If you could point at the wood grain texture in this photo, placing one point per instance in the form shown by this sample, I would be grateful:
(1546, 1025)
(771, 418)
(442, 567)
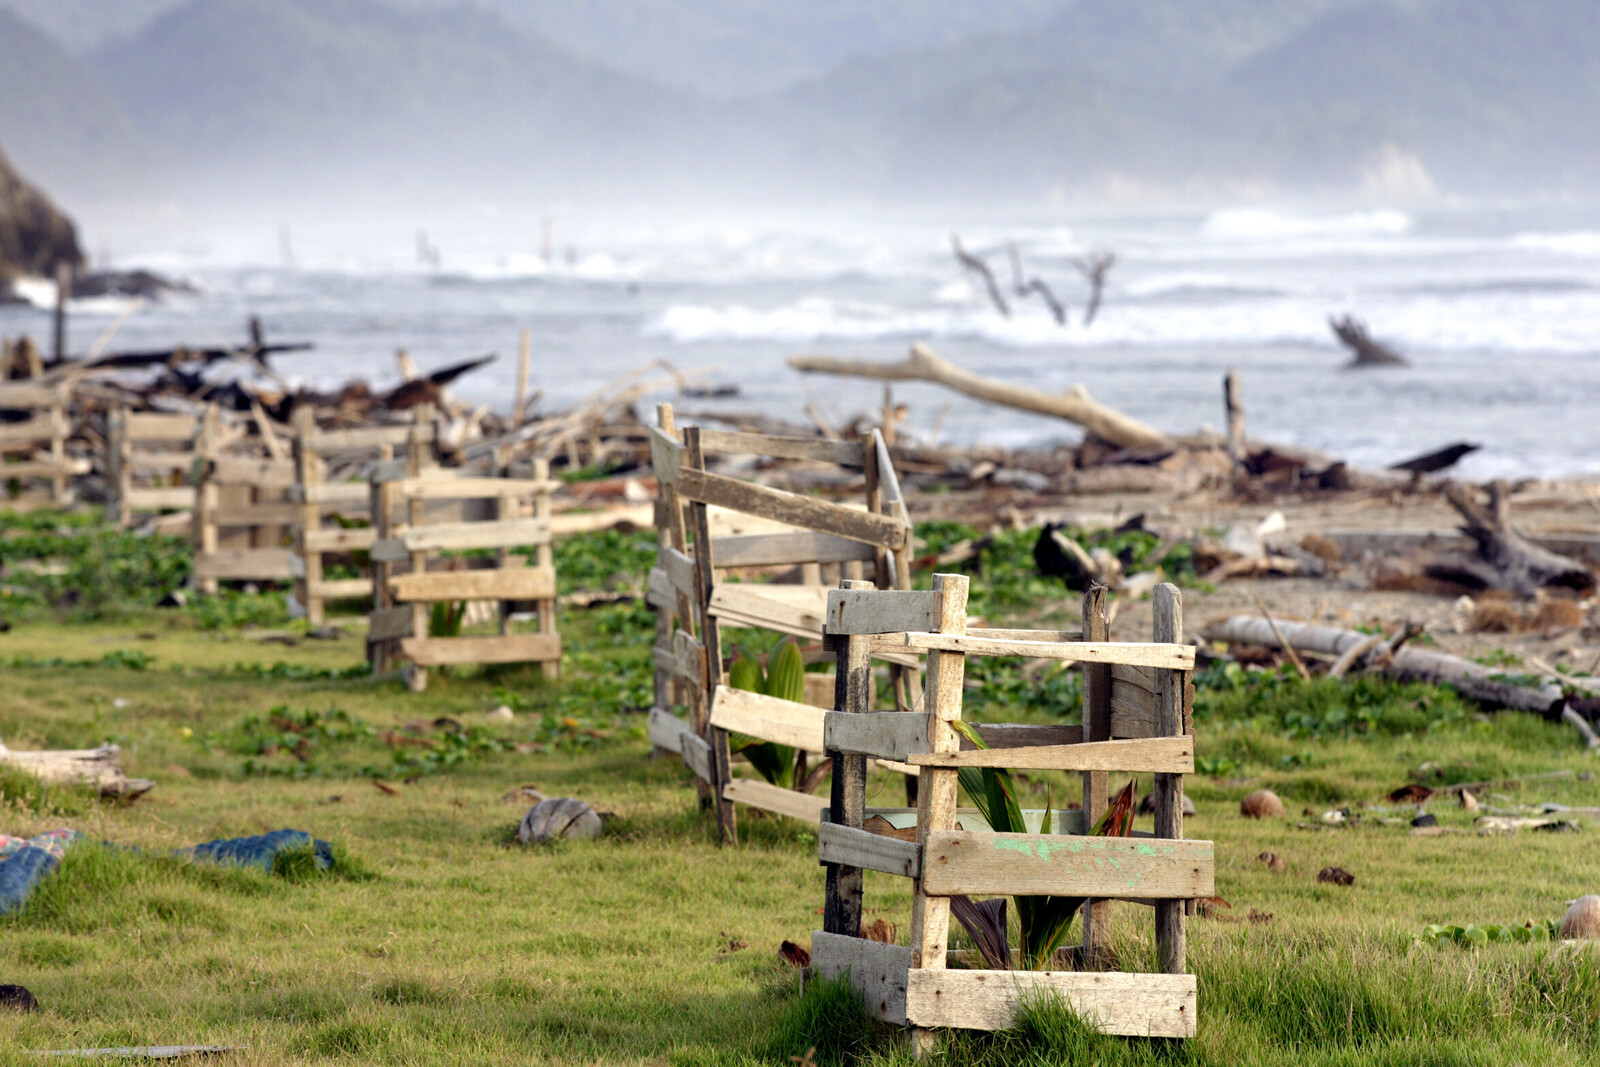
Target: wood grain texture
(1136, 653)
(1166, 605)
(679, 569)
(339, 539)
(388, 624)
(853, 692)
(241, 564)
(1024, 735)
(463, 535)
(1130, 1005)
(513, 648)
(768, 550)
(666, 729)
(884, 735)
(474, 488)
(877, 971)
(696, 754)
(860, 848)
(768, 718)
(1170, 755)
(340, 588)
(666, 456)
(787, 609)
(768, 797)
(791, 508)
(844, 453)
(880, 611)
(517, 583)
(959, 861)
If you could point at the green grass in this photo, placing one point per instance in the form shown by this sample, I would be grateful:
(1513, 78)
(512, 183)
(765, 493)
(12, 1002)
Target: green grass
(437, 940)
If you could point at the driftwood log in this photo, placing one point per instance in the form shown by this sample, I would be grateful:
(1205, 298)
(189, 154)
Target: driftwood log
(1471, 679)
(1505, 559)
(980, 267)
(1352, 333)
(96, 766)
(1075, 405)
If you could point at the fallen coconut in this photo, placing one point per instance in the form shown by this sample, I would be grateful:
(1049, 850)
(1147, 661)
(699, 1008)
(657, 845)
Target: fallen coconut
(559, 817)
(1147, 806)
(1262, 804)
(1582, 918)
(1336, 876)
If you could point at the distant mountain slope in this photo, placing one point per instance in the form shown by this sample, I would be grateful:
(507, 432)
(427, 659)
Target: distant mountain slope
(1217, 94)
(367, 88)
(57, 121)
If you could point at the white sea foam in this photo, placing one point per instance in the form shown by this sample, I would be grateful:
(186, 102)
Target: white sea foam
(1260, 224)
(1570, 242)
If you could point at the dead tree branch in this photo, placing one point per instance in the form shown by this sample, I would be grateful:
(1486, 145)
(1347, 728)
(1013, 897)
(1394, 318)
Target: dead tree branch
(978, 266)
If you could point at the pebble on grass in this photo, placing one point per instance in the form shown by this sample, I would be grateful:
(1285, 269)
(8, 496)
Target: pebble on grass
(1336, 876)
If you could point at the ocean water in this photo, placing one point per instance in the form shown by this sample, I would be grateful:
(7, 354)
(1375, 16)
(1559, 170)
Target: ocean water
(1497, 308)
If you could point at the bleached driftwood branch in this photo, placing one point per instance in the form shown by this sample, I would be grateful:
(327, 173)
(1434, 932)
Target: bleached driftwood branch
(97, 766)
(1075, 405)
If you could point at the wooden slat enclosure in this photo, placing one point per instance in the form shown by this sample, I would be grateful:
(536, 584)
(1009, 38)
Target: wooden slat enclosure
(1127, 684)
(708, 524)
(35, 450)
(243, 519)
(403, 536)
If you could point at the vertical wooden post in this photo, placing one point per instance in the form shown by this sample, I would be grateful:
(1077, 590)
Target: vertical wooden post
(118, 462)
(938, 790)
(382, 511)
(63, 294)
(524, 364)
(206, 494)
(505, 509)
(545, 556)
(711, 639)
(416, 512)
(1167, 610)
(1235, 410)
(847, 803)
(1096, 727)
(60, 430)
(306, 473)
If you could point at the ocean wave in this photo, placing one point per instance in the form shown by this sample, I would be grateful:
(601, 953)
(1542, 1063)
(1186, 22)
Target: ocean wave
(1569, 242)
(1260, 224)
(1198, 283)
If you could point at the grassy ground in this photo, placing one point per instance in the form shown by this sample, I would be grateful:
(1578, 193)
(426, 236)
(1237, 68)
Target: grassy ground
(439, 940)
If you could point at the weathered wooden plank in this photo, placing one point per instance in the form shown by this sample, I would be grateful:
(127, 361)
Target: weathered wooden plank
(361, 438)
(389, 550)
(696, 754)
(690, 656)
(244, 563)
(792, 508)
(666, 456)
(1129, 1005)
(878, 971)
(501, 648)
(666, 730)
(659, 592)
(768, 550)
(390, 470)
(44, 468)
(993, 634)
(1166, 612)
(679, 568)
(176, 497)
(262, 473)
(339, 539)
(1155, 755)
(958, 861)
(15, 396)
(874, 852)
(768, 797)
(162, 463)
(884, 735)
(1133, 701)
(845, 453)
(879, 611)
(769, 718)
(347, 493)
(156, 426)
(766, 606)
(464, 535)
(854, 689)
(269, 514)
(340, 588)
(1024, 735)
(513, 583)
(1136, 653)
(388, 624)
(473, 488)
(37, 428)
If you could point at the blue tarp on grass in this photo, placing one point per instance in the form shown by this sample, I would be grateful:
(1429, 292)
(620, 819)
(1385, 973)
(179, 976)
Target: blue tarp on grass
(25, 861)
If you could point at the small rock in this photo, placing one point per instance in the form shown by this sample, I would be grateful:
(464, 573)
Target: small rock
(16, 998)
(1581, 920)
(1469, 803)
(501, 714)
(175, 599)
(118, 703)
(1273, 861)
(1425, 819)
(559, 817)
(250, 589)
(1336, 876)
(1262, 804)
(325, 633)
